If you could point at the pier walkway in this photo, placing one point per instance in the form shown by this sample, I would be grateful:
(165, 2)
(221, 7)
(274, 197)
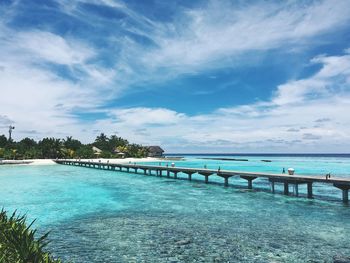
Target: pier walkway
(341, 183)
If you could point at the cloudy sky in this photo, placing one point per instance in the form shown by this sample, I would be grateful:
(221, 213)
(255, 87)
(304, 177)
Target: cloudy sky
(192, 76)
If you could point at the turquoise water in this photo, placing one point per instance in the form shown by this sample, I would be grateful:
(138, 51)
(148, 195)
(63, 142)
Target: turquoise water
(302, 165)
(305, 165)
(105, 216)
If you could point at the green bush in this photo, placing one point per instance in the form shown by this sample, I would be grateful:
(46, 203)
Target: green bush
(53, 148)
(18, 243)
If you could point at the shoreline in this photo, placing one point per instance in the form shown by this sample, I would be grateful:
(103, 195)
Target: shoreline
(31, 162)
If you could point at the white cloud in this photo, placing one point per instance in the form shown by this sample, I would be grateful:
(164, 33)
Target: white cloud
(332, 78)
(51, 48)
(142, 116)
(33, 96)
(264, 126)
(218, 35)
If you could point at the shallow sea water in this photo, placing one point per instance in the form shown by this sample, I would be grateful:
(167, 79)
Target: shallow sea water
(105, 216)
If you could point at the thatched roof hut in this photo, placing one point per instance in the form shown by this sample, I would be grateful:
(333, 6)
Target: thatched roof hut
(119, 153)
(96, 150)
(155, 151)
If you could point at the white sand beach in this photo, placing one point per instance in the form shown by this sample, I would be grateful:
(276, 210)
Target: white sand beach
(28, 162)
(125, 160)
(41, 162)
(51, 162)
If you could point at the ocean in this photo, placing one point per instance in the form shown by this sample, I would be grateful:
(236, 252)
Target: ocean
(107, 216)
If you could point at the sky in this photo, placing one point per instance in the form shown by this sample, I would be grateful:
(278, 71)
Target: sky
(192, 76)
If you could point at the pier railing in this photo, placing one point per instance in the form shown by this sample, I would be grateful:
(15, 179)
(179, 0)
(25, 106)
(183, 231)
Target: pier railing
(171, 171)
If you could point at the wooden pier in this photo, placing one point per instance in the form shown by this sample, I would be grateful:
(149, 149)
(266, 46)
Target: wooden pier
(341, 183)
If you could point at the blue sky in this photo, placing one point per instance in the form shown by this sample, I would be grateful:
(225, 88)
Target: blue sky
(192, 76)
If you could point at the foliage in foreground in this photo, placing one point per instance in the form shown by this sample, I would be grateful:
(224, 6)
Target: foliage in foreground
(18, 243)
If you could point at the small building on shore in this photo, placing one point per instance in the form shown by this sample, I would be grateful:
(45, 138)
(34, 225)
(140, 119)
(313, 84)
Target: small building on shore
(119, 153)
(155, 151)
(96, 150)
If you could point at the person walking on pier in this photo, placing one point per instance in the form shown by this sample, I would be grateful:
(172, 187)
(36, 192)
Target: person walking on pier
(284, 171)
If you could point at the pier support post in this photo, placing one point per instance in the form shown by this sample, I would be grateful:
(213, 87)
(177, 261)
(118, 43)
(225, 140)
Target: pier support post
(175, 175)
(345, 189)
(226, 181)
(250, 181)
(273, 187)
(250, 184)
(206, 175)
(149, 172)
(296, 189)
(345, 195)
(286, 188)
(189, 175)
(309, 190)
(167, 173)
(144, 171)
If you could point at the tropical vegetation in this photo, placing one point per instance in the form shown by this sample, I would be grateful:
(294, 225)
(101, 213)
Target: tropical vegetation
(20, 244)
(52, 148)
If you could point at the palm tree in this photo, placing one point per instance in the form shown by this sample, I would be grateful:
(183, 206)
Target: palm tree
(70, 143)
(102, 142)
(51, 148)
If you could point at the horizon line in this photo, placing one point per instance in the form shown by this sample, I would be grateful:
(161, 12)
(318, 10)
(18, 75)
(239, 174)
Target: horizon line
(257, 153)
